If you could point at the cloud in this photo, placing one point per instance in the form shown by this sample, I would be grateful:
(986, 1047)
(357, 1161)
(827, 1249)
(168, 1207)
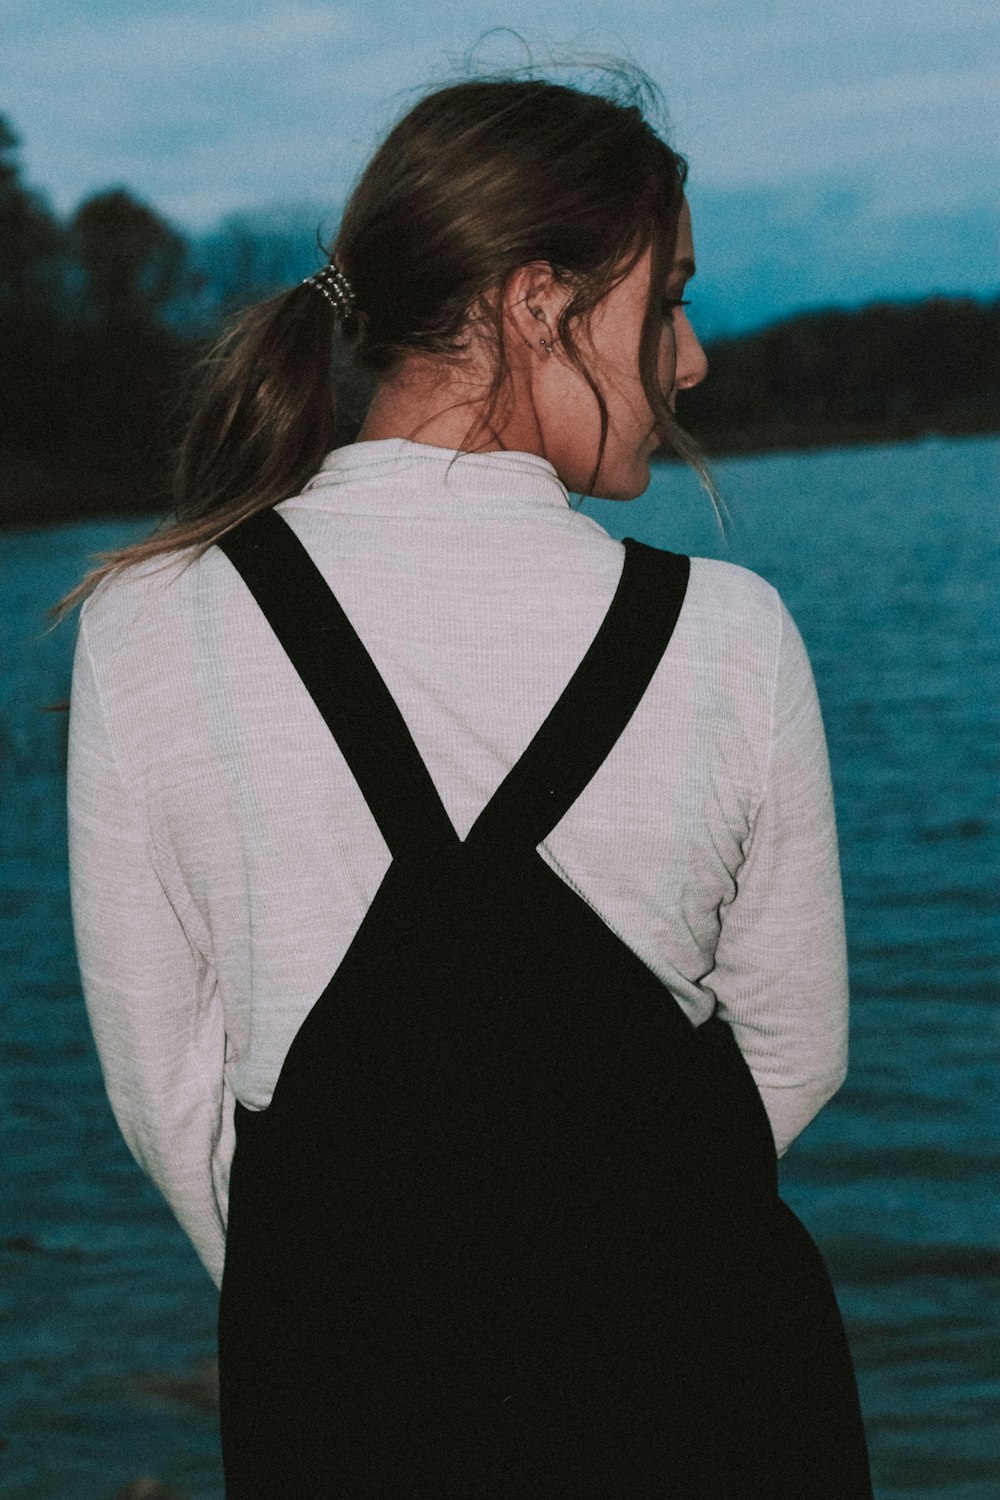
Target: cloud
(764, 252)
(206, 108)
(194, 111)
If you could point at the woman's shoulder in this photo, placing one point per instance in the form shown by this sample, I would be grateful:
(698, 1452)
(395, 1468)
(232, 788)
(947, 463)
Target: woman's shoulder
(149, 601)
(726, 598)
(741, 624)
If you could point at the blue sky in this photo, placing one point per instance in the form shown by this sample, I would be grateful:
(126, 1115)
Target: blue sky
(839, 149)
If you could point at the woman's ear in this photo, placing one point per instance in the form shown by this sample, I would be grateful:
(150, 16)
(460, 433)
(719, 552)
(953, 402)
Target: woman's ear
(532, 304)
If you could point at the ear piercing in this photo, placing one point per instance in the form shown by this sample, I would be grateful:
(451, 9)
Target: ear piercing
(544, 342)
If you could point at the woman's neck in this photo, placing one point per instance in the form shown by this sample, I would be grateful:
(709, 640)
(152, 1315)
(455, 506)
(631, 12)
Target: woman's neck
(443, 406)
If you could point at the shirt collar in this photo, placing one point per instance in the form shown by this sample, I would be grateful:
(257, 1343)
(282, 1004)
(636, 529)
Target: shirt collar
(403, 472)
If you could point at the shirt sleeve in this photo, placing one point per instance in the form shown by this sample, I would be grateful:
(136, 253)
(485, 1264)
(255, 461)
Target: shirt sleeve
(781, 961)
(150, 995)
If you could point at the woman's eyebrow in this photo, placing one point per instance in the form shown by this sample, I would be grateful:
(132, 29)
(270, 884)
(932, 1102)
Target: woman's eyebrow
(686, 265)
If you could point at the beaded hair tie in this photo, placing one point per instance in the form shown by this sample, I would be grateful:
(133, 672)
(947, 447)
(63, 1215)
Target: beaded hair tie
(335, 287)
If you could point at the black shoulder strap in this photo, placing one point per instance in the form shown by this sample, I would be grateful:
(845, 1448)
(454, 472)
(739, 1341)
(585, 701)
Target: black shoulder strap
(342, 680)
(597, 702)
(363, 718)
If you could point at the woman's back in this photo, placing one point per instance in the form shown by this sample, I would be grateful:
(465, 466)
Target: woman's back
(236, 837)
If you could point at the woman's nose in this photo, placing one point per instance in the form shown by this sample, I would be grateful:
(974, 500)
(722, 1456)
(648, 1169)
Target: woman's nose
(692, 363)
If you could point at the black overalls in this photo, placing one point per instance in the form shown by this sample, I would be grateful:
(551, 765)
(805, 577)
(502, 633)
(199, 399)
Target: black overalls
(509, 1228)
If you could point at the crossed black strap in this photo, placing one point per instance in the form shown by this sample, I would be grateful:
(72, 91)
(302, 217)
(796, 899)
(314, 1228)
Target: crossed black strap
(361, 714)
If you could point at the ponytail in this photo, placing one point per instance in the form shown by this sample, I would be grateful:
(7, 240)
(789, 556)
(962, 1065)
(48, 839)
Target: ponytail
(264, 409)
(263, 421)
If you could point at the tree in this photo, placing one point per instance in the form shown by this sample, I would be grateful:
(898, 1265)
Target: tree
(130, 264)
(252, 254)
(32, 270)
(31, 240)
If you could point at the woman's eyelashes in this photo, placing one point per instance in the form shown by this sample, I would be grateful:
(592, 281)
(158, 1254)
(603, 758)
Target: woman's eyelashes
(671, 304)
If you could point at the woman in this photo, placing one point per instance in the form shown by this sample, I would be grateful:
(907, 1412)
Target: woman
(496, 1215)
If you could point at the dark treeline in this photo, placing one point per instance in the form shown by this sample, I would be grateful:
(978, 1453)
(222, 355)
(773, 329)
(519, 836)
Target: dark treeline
(90, 369)
(103, 316)
(887, 371)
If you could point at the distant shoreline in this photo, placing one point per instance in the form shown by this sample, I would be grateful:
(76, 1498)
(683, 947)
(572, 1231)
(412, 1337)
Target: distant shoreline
(31, 498)
(739, 442)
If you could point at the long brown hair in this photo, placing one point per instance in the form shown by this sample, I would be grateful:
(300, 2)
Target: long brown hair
(478, 179)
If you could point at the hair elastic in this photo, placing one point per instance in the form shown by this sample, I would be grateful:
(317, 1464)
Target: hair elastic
(334, 286)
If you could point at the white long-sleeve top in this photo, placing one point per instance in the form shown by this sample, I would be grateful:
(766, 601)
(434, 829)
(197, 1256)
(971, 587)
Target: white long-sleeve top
(222, 857)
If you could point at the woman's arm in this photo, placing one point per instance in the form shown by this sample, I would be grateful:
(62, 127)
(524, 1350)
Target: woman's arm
(150, 995)
(781, 963)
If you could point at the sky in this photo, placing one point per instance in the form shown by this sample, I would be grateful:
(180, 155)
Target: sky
(839, 149)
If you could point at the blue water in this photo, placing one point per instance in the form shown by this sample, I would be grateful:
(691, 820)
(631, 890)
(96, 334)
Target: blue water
(889, 560)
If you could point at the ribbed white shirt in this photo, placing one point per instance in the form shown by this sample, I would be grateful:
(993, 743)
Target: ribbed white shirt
(222, 857)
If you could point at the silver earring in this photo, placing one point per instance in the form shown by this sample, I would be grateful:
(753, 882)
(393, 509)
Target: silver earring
(545, 345)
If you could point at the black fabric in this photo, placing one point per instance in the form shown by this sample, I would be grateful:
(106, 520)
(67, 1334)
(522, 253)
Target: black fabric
(342, 680)
(509, 1228)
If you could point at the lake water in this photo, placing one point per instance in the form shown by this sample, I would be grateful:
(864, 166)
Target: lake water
(889, 559)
